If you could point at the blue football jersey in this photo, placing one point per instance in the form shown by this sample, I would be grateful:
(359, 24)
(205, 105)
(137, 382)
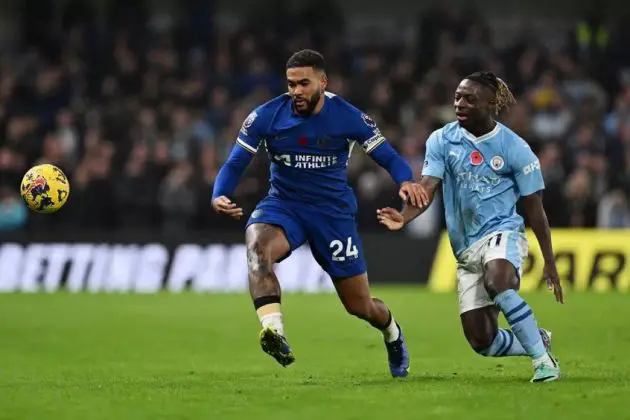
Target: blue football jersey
(482, 180)
(309, 154)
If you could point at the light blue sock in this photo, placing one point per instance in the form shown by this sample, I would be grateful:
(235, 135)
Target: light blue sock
(521, 318)
(504, 344)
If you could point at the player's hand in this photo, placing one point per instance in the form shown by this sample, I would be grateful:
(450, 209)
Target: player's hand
(224, 205)
(553, 280)
(391, 218)
(415, 194)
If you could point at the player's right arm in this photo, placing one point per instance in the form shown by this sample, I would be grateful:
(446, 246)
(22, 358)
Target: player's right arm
(230, 173)
(432, 176)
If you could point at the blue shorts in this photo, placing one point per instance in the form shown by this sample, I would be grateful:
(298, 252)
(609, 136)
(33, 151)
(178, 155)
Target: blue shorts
(334, 241)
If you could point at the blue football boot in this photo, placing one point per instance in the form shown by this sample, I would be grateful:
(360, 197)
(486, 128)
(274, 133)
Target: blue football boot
(276, 346)
(398, 356)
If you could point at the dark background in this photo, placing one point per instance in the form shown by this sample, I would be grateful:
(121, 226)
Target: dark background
(140, 102)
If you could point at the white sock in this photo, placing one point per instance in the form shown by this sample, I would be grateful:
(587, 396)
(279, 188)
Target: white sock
(391, 333)
(274, 321)
(543, 360)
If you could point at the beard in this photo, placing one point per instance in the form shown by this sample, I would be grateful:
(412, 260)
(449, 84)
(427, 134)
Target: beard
(310, 104)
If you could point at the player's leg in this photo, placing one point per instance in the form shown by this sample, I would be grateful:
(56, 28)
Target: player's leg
(501, 280)
(486, 338)
(271, 235)
(479, 318)
(337, 248)
(354, 293)
(266, 244)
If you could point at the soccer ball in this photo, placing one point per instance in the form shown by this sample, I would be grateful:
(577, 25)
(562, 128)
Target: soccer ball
(45, 188)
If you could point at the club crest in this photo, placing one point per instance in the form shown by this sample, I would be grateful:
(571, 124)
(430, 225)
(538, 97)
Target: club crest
(497, 163)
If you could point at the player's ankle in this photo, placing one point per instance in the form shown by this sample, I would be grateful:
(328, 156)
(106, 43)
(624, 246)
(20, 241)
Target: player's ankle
(391, 332)
(273, 321)
(269, 313)
(543, 359)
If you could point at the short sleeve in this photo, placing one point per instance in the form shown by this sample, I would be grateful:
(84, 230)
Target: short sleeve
(366, 133)
(526, 169)
(251, 133)
(434, 156)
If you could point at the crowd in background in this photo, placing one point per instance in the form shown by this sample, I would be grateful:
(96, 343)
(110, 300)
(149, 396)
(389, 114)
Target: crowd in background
(141, 119)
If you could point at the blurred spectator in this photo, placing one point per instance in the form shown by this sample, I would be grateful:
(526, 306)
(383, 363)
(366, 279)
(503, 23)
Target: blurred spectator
(93, 197)
(135, 190)
(590, 37)
(580, 198)
(619, 116)
(613, 211)
(551, 118)
(555, 176)
(177, 199)
(13, 211)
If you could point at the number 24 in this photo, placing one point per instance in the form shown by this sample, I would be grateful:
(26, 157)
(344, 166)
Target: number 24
(337, 247)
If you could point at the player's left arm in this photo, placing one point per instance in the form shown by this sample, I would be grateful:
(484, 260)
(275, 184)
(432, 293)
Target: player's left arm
(528, 176)
(381, 151)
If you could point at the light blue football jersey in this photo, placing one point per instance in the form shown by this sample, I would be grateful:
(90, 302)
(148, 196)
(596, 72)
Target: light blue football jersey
(482, 180)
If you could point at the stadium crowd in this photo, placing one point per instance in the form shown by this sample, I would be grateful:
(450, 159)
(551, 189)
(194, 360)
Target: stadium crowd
(141, 120)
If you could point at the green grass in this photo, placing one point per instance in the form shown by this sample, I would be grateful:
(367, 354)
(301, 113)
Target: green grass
(197, 357)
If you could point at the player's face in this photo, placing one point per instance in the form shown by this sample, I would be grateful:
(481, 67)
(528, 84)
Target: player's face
(306, 87)
(473, 103)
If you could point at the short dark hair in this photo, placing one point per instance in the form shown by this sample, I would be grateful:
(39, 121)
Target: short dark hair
(307, 58)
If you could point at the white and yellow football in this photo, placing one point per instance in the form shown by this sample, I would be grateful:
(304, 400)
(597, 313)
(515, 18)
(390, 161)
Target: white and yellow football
(45, 188)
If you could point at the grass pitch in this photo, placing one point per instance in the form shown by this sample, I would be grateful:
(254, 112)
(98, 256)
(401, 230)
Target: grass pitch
(197, 357)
